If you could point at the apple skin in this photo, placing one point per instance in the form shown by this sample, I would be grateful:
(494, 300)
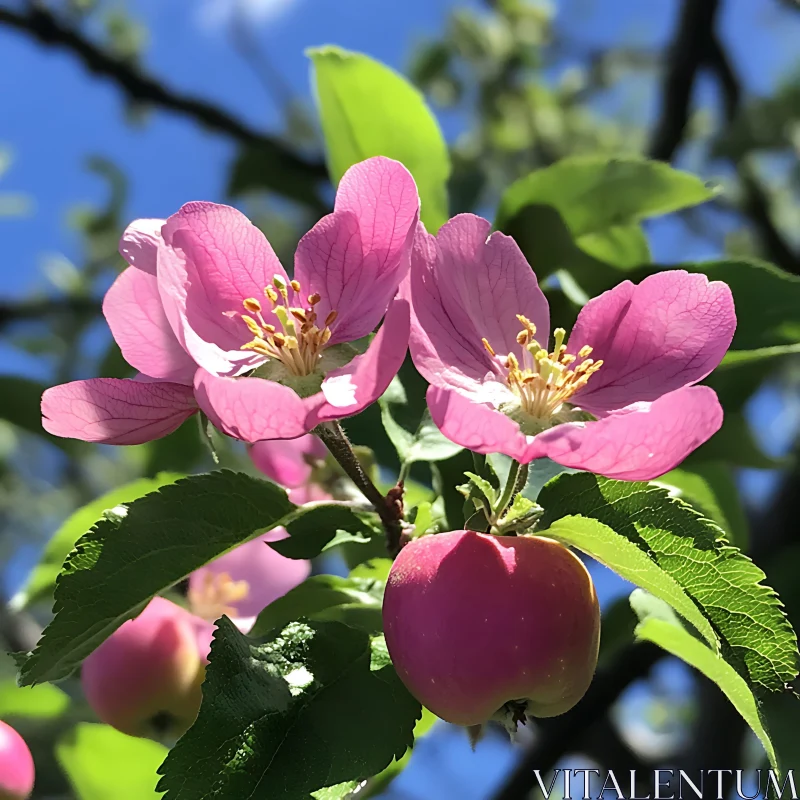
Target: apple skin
(145, 679)
(474, 621)
(16, 765)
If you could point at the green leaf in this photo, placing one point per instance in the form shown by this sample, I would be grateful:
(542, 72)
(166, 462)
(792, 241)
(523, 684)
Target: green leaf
(582, 214)
(101, 762)
(313, 687)
(711, 489)
(367, 109)
(42, 580)
(661, 627)
(756, 636)
(629, 561)
(38, 702)
(124, 561)
(322, 526)
(767, 301)
(425, 443)
(484, 487)
(325, 597)
(594, 194)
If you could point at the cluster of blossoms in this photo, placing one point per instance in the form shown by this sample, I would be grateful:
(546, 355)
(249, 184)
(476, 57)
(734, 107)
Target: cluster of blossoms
(209, 317)
(212, 321)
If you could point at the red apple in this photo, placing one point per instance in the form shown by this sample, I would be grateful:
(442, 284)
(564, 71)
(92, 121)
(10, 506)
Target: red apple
(16, 765)
(145, 678)
(482, 627)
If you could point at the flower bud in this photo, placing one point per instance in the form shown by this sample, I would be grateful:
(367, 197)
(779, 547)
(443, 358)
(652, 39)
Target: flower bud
(16, 765)
(483, 627)
(145, 679)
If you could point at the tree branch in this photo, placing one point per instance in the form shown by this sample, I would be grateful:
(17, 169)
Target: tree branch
(695, 45)
(43, 26)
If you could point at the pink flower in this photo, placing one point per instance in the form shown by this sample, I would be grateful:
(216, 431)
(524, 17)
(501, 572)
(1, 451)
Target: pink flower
(244, 581)
(289, 463)
(206, 302)
(234, 309)
(617, 399)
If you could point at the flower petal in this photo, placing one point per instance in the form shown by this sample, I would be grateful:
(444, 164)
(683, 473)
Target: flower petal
(479, 427)
(139, 244)
(360, 383)
(466, 287)
(288, 463)
(116, 411)
(211, 260)
(268, 574)
(133, 310)
(356, 257)
(251, 409)
(669, 331)
(640, 442)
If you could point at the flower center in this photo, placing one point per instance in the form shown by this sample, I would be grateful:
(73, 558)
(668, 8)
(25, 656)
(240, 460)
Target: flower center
(217, 595)
(544, 381)
(295, 339)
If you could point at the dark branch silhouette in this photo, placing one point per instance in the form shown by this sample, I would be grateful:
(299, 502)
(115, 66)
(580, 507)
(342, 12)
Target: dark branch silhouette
(290, 169)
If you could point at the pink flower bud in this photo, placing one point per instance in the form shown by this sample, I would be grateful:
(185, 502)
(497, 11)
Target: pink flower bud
(16, 765)
(482, 627)
(145, 678)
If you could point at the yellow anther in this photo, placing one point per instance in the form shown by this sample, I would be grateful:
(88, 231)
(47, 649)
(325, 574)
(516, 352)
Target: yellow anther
(313, 299)
(585, 351)
(527, 324)
(488, 347)
(330, 319)
(252, 305)
(279, 339)
(253, 326)
(522, 338)
(271, 294)
(558, 339)
(296, 285)
(298, 314)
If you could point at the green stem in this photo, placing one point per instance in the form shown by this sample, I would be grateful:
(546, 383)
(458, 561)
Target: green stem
(390, 509)
(510, 489)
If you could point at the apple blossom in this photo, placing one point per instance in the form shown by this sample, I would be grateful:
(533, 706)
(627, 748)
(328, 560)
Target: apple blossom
(16, 765)
(616, 399)
(482, 627)
(210, 318)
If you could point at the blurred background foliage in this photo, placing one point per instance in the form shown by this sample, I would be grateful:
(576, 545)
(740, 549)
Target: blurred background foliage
(712, 86)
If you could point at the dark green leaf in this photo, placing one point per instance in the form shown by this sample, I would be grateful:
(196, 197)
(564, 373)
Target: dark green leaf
(709, 486)
(315, 704)
(325, 597)
(124, 561)
(317, 528)
(368, 110)
(724, 583)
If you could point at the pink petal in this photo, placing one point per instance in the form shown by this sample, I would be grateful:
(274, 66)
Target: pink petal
(478, 426)
(356, 257)
(669, 331)
(251, 409)
(349, 390)
(310, 493)
(465, 286)
(269, 575)
(139, 244)
(114, 411)
(289, 462)
(212, 259)
(640, 442)
(133, 310)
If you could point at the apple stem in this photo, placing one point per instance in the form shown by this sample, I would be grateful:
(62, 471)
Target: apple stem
(389, 507)
(517, 478)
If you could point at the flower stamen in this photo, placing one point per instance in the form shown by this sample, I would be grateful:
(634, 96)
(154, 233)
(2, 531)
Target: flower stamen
(544, 381)
(296, 341)
(217, 595)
